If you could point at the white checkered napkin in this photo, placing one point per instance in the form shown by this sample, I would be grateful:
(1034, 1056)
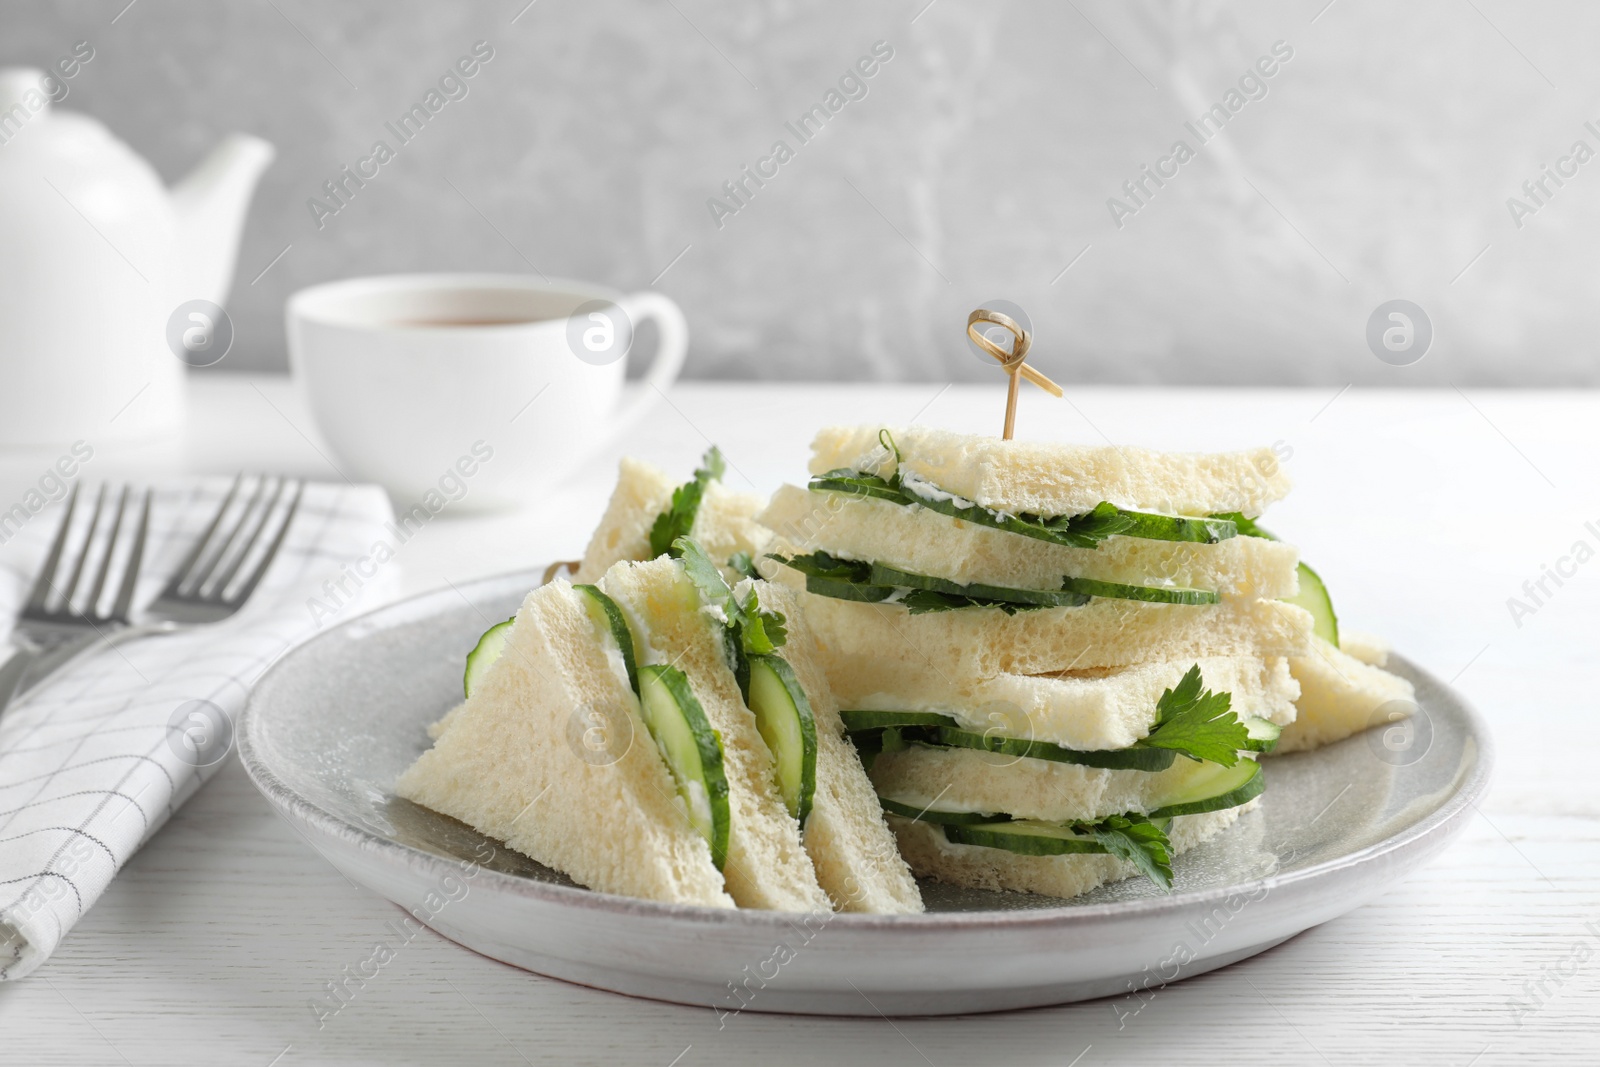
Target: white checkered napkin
(95, 759)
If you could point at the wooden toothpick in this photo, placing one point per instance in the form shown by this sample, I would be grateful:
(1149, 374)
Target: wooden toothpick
(1011, 362)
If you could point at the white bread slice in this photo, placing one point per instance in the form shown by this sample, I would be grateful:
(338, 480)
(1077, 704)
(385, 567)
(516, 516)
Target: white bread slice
(856, 859)
(1084, 710)
(922, 541)
(506, 766)
(858, 640)
(437, 729)
(965, 779)
(767, 867)
(1056, 479)
(725, 523)
(1339, 696)
(1369, 648)
(932, 855)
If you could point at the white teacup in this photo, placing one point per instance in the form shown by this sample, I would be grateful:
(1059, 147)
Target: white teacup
(472, 390)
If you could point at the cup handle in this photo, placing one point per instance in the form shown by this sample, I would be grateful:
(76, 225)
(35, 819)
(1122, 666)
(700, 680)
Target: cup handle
(670, 351)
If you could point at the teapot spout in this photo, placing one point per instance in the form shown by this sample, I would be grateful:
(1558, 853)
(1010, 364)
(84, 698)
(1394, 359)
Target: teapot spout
(210, 204)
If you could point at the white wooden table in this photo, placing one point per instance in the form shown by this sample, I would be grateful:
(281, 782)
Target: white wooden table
(1424, 511)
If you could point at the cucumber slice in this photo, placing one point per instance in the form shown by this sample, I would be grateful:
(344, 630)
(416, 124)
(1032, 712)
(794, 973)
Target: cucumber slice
(783, 716)
(484, 653)
(692, 750)
(1313, 596)
(1080, 531)
(1150, 594)
(1213, 788)
(1155, 527)
(1043, 598)
(921, 813)
(608, 616)
(856, 721)
(882, 575)
(1140, 841)
(1025, 837)
(842, 589)
(1263, 733)
(1127, 759)
(1073, 592)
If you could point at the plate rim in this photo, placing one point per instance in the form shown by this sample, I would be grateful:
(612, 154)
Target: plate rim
(1469, 789)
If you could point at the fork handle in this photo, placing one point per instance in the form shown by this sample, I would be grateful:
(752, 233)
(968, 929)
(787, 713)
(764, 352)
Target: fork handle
(31, 665)
(12, 671)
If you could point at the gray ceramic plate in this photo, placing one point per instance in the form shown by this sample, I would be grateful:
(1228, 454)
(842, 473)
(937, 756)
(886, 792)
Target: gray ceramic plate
(332, 725)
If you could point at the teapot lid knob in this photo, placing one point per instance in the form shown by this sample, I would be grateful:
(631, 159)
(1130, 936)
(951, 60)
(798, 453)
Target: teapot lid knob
(15, 85)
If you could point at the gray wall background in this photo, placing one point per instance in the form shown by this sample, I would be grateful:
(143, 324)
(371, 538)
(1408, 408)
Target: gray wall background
(978, 165)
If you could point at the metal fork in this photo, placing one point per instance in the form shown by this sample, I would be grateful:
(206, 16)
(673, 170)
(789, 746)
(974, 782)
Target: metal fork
(206, 588)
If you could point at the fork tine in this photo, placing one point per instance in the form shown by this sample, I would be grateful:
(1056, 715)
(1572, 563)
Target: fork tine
(130, 576)
(272, 546)
(203, 578)
(261, 523)
(180, 575)
(92, 605)
(83, 553)
(47, 572)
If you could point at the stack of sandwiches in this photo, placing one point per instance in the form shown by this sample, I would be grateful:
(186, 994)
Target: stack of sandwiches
(1060, 663)
(996, 664)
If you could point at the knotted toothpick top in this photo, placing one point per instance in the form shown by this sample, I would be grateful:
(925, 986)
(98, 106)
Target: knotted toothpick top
(1011, 362)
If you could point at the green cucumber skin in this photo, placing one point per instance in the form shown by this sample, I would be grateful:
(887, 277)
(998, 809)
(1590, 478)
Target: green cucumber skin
(483, 654)
(1203, 531)
(1313, 596)
(708, 750)
(882, 575)
(620, 630)
(1042, 598)
(944, 818)
(1264, 733)
(996, 835)
(839, 589)
(1124, 759)
(782, 675)
(1207, 530)
(883, 580)
(1252, 786)
(1149, 594)
(858, 720)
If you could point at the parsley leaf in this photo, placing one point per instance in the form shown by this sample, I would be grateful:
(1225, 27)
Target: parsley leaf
(1138, 840)
(678, 520)
(741, 563)
(758, 632)
(1198, 723)
(853, 483)
(1090, 528)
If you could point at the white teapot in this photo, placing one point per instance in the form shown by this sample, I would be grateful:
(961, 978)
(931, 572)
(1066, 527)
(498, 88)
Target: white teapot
(96, 257)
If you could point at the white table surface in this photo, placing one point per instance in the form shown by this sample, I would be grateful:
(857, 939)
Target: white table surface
(1424, 512)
